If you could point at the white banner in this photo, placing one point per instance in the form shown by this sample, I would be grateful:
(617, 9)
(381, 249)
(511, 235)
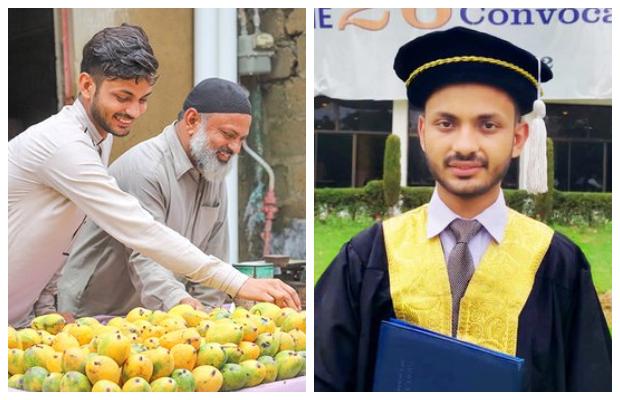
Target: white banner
(355, 48)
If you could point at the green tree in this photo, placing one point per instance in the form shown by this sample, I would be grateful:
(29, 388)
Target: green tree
(391, 172)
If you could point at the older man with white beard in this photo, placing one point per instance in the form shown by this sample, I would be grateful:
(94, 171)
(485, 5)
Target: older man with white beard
(178, 176)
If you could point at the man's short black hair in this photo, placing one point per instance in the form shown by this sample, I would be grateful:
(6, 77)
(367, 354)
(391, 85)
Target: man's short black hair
(121, 52)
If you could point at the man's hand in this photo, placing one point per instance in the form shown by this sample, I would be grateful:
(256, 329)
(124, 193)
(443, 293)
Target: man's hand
(270, 290)
(195, 303)
(68, 316)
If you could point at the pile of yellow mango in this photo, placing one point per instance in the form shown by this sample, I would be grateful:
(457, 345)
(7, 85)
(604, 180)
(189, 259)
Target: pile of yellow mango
(182, 350)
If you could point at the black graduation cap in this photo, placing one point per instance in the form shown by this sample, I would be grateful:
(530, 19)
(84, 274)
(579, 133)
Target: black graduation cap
(461, 55)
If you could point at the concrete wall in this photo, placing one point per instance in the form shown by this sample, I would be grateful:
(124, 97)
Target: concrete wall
(170, 32)
(283, 138)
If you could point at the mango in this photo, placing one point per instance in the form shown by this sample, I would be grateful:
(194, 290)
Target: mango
(264, 324)
(64, 341)
(184, 356)
(267, 310)
(240, 313)
(14, 341)
(268, 343)
(233, 353)
(28, 337)
(235, 377)
(256, 372)
(17, 381)
(157, 316)
(189, 336)
(137, 365)
(106, 386)
(102, 367)
(37, 356)
(138, 313)
(46, 337)
(295, 320)
(289, 364)
(249, 351)
(52, 323)
(225, 331)
(218, 313)
(204, 326)
(164, 384)
(300, 339)
(116, 346)
(283, 314)
(54, 362)
(117, 322)
(16, 362)
(163, 362)
(211, 354)
(142, 325)
(74, 381)
(271, 368)
(286, 342)
(303, 369)
(82, 333)
(208, 378)
(173, 323)
(151, 343)
(185, 380)
(192, 317)
(74, 360)
(52, 382)
(250, 329)
(89, 321)
(33, 379)
(137, 348)
(136, 384)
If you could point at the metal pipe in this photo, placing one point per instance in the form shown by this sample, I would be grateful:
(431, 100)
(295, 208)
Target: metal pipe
(66, 57)
(270, 202)
(215, 55)
(263, 163)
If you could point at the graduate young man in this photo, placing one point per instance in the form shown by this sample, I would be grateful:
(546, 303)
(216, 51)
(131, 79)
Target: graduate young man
(465, 264)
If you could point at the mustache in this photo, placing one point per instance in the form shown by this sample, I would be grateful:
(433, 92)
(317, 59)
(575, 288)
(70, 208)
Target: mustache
(124, 116)
(225, 149)
(472, 157)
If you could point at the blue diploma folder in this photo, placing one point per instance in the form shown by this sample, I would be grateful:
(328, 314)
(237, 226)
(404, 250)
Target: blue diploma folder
(414, 359)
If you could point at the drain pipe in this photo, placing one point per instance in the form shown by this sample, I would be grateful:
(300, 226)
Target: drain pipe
(66, 57)
(215, 55)
(269, 202)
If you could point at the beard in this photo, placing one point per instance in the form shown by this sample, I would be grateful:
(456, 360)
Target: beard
(206, 159)
(99, 119)
(473, 190)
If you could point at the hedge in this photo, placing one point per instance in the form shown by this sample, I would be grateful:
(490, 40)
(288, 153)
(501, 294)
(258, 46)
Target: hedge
(568, 207)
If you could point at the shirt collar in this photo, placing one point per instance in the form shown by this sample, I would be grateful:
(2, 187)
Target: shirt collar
(181, 161)
(493, 219)
(87, 125)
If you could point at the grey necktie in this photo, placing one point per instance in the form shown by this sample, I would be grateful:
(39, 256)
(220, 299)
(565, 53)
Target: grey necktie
(460, 264)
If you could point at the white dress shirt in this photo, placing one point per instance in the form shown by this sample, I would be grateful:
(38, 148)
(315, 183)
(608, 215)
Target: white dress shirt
(493, 221)
(56, 176)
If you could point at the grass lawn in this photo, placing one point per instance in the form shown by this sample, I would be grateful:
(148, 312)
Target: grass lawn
(596, 245)
(329, 236)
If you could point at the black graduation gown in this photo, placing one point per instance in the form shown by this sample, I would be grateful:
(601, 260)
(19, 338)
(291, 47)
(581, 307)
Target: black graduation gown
(563, 336)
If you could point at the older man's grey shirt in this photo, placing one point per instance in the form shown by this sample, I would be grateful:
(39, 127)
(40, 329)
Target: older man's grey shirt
(102, 276)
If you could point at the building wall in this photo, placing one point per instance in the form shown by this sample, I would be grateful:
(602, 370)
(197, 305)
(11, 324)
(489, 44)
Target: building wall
(283, 137)
(283, 109)
(170, 32)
